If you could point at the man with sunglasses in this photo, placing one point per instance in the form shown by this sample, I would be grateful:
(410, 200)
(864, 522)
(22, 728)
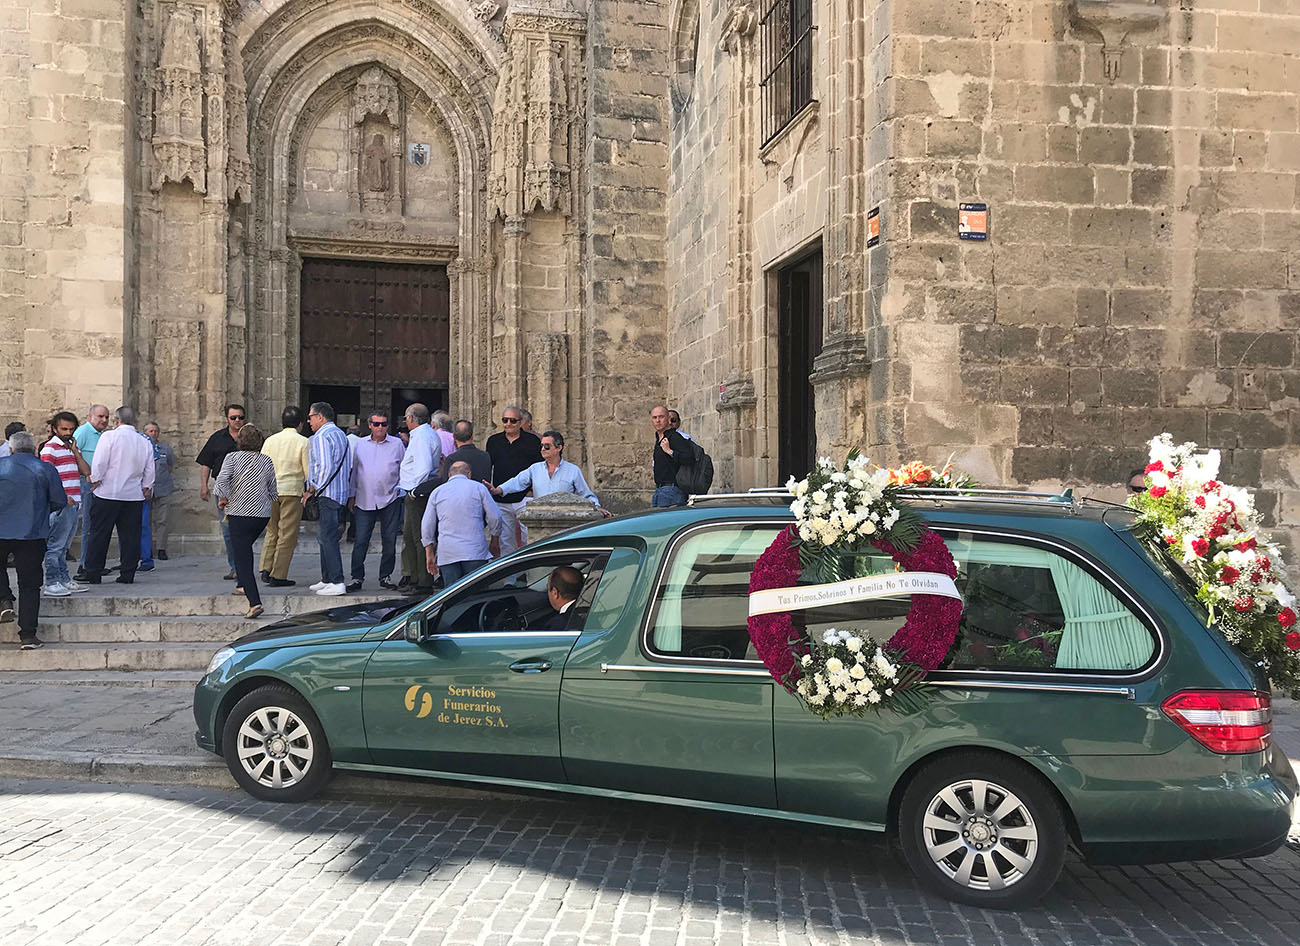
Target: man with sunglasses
(1137, 481)
(512, 450)
(376, 498)
(214, 452)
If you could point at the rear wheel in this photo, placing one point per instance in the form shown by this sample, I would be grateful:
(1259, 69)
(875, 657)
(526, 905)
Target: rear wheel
(275, 746)
(983, 830)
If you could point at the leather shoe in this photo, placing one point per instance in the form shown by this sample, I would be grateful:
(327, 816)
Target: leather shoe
(162, 555)
(265, 576)
(354, 585)
(125, 580)
(229, 576)
(280, 582)
(387, 583)
(146, 568)
(404, 583)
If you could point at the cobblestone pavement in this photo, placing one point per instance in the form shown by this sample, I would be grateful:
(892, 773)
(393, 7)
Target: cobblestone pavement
(84, 865)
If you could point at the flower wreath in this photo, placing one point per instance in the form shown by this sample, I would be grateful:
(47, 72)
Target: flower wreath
(1214, 533)
(841, 516)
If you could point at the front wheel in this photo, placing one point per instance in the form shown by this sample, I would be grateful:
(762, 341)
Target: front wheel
(982, 830)
(275, 747)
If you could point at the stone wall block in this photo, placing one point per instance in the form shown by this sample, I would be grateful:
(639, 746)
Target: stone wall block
(1027, 306)
(1072, 185)
(1197, 388)
(1256, 349)
(1105, 145)
(1231, 269)
(1140, 306)
(1084, 388)
(1257, 429)
(1130, 387)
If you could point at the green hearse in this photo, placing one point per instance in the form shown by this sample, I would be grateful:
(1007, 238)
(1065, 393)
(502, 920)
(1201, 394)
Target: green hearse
(1085, 701)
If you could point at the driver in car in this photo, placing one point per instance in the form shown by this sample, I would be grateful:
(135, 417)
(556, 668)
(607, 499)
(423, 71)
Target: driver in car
(562, 590)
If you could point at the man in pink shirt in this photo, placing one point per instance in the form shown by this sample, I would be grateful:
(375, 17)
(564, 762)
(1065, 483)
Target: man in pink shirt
(441, 422)
(376, 498)
(62, 453)
(121, 477)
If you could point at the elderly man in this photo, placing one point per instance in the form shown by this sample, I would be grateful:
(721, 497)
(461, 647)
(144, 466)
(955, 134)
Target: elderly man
(441, 422)
(421, 462)
(513, 450)
(214, 452)
(562, 590)
(30, 492)
(453, 526)
(153, 531)
(87, 438)
(290, 454)
(329, 480)
(553, 474)
(61, 452)
(526, 421)
(121, 477)
(376, 467)
(670, 452)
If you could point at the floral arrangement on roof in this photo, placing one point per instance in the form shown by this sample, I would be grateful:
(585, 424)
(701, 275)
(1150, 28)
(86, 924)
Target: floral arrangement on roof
(1214, 531)
(917, 473)
(845, 516)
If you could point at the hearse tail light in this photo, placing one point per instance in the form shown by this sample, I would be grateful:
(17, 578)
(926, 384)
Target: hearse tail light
(1227, 721)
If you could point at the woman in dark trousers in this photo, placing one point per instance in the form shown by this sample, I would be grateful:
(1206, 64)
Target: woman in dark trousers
(245, 490)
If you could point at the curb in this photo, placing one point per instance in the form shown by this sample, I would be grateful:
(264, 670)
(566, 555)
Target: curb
(200, 773)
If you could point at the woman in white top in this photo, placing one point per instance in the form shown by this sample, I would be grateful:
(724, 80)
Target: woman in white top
(245, 490)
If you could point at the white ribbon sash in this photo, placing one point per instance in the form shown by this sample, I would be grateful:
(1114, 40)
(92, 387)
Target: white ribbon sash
(804, 597)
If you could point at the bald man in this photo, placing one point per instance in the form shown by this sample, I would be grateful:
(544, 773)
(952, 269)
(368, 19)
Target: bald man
(452, 529)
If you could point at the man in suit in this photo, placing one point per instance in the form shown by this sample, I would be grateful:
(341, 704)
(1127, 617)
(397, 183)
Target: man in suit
(562, 591)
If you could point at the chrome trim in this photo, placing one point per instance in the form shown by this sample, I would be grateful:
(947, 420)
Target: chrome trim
(651, 668)
(342, 689)
(936, 494)
(479, 635)
(1126, 692)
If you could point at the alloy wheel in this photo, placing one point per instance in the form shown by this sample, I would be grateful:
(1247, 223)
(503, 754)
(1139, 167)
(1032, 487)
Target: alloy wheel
(980, 835)
(275, 747)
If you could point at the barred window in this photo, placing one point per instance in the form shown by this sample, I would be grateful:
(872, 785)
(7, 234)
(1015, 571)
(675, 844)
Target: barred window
(785, 36)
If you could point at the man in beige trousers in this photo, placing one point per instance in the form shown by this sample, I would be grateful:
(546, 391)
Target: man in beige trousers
(288, 451)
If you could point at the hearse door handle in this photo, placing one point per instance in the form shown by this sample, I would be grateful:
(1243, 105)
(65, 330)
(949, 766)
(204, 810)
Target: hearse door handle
(537, 665)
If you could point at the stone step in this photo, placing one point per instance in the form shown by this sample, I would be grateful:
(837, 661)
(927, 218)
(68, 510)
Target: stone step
(88, 630)
(155, 655)
(118, 605)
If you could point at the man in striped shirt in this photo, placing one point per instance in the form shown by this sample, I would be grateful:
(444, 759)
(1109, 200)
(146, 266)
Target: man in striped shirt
(62, 452)
(329, 479)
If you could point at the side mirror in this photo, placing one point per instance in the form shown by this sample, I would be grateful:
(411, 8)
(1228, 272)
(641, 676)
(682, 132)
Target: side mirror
(416, 628)
(420, 626)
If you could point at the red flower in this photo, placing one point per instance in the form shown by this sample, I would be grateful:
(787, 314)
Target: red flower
(1293, 640)
(1212, 485)
(1244, 603)
(1157, 491)
(1246, 545)
(1217, 531)
(1200, 501)
(1155, 467)
(1229, 575)
(1171, 539)
(1200, 547)
(1286, 617)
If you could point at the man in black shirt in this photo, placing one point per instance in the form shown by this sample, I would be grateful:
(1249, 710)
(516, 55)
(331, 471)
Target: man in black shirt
(480, 464)
(670, 452)
(512, 451)
(210, 458)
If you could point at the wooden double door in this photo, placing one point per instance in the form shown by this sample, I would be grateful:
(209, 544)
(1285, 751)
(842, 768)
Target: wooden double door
(375, 336)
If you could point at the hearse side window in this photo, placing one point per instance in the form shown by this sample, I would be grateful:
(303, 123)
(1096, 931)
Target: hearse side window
(1027, 608)
(701, 606)
(514, 598)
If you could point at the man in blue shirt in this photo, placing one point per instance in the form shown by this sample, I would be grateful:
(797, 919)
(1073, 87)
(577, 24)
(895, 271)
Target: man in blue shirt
(453, 524)
(329, 478)
(553, 474)
(87, 438)
(30, 491)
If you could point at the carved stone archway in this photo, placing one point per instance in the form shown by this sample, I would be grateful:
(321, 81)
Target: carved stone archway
(313, 71)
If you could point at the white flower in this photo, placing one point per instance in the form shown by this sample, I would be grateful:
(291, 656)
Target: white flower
(854, 644)
(792, 485)
(801, 488)
(865, 686)
(802, 687)
(838, 477)
(834, 665)
(856, 672)
(817, 699)
(873, 697)
(841, 696)
(882, 664)
(805, 660)
(859, 700)
(830, 636)
(819, 497)
(889, 691)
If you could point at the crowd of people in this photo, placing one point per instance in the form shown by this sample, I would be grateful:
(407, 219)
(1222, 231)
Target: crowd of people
(456, 505)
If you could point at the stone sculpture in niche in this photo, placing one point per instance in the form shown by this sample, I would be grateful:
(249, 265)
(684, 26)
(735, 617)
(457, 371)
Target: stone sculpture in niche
(374, 166)
(178, 146)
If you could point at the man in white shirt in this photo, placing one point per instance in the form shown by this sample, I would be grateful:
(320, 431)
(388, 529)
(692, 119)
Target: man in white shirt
(121, 477)
(421, 462)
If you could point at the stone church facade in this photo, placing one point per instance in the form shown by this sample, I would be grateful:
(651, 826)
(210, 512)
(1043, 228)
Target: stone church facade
(749, 209)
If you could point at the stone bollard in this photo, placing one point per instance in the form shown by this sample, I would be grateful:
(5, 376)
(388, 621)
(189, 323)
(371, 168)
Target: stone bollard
(548, 515)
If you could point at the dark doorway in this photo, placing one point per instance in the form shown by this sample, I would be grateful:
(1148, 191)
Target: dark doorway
(375, 336)
(799, 341)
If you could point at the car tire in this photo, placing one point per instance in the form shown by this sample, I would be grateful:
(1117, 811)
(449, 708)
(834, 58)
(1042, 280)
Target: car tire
(275, 746)
(983, 830)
